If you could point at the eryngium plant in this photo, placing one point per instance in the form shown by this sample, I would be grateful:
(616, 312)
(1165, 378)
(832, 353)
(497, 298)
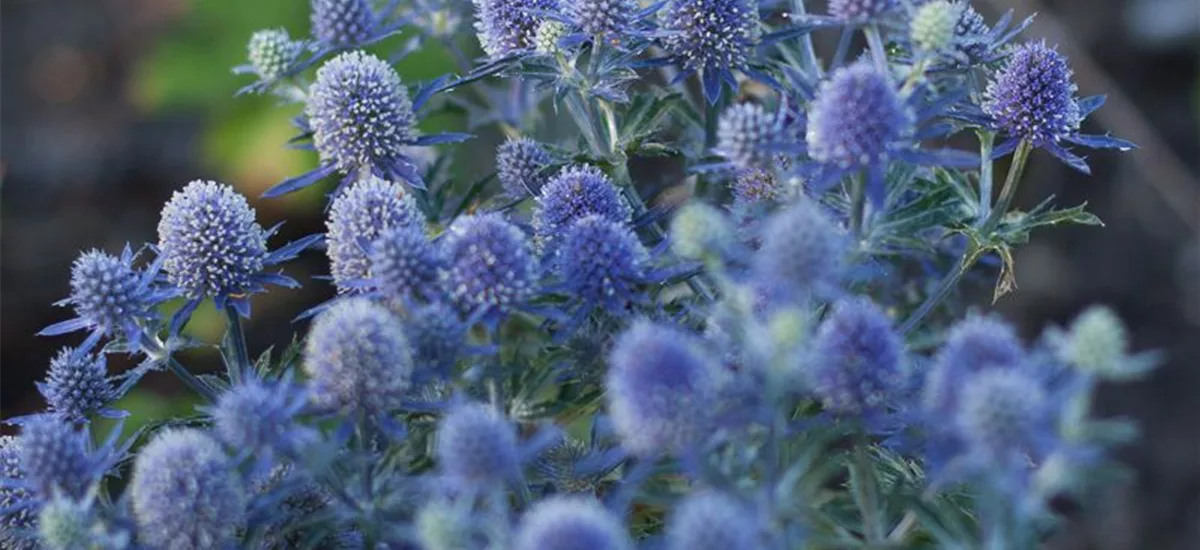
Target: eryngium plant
(576, 346)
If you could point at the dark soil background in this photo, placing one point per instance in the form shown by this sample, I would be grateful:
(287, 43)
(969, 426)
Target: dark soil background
(85, 163)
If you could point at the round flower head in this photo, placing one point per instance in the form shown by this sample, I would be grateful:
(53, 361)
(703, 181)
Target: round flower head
(109, 297)
(357, 217)
(436, 334)
(445, 526)
(1099, 344)
(186, 494)
(361, 117)
(259, 417)
(711, 36)
(1032, 96)
(933, 27)
(602, 262)
(856, 118)
(403, 262)
(209, 241)
(17, 517)
(602, 18)
(546, 40)
(974, 344)
(857, 11)
(507, 27)
(491, 267)
(272, 52)
(756, 186)
(519, 165)
(856, 365)
(971, 32)
(1003, 417)
(54, 457)
(801, 250)
(660, 387)
(475, 444)
(572, 194)
(745, 134)
(700, 230)
(357, 357)
(709, 520)
(570, 523)
(68, 524)
(342, 22)
(78, 385)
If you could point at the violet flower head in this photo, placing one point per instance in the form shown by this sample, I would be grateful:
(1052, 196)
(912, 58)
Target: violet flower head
(18, 516)
(436, 333)
(1005, 418)
(661, 388)
(110, 297)
(404, 263)
(709, 520)
(756, 186)
(357, 218)
(570, 523)
(490, 266)
(860, 11)
(746, 133)
(857, 360)
(519, 167)
(272, 53)
(186, 493)
(340, 24)
(602, 263)
(78, 386)
(973, 345)
(260, 417)
(608, 19)
(802, 251)
(508, 27)
(358, 358)
(54, 457)
(713, 38)
(476, 444)
(573, 193)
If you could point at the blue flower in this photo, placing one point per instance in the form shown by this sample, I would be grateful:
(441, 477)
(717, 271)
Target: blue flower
(211, 246)
(756, 186)
(975, 344)
(490, 266)
(601, 263)
(357, 357)
(476, 444)
(748, 135)
(78, 386)
(259, 417)
(272, 56)
(110, 297)
(349, 23)
(69, 524)
(1005, 417)
(437, 334)
(1032, 98)
(661, 388)
(714, 38)
(801, 253)
(572, 194)
(404, 263)
(709, 520)
(186, 493)
(605, 19)
(357, 217)
(857, 360)
(18, 516)
(508, 27)
(55, 458)
(570, 523)
(520, 164)
(860, 11)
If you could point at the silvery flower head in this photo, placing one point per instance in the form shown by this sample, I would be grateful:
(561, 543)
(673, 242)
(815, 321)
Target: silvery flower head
(1097, 343)
(272, 53)
(710, 520)
(570, 523)
(857, 360)
(69, 524)
(970, 33)
(260, 417)
(110, 297)
(519, 166)
(508, 27)
(602, 263)
(746, 133)
(975, 344)
(712, 37)
(78, 386)
(18, 516)
(442, 525)
(358, 358)
(547, 40)
(404, 263)
(802, 250)
(490, 265)
(1005, 419)
(660, 389)
(700, 230)
(573, 193)
(860, 11)
(358, 216)
(934, 25)
(477, 445)
(186, 493)
(55, 458)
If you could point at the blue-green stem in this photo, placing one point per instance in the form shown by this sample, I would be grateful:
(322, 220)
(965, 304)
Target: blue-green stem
(875, 44)
(986, 164)
(866, 492)
(808, 55)
(858, 204)
(237, 341)
(157, 351)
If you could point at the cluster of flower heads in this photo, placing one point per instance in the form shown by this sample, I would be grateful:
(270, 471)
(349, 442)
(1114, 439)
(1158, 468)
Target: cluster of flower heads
(542, 364)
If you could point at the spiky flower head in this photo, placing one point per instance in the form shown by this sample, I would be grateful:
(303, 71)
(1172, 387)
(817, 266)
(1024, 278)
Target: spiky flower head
(745, 134)
(970, 34)
(186, 493)
(476, 444)
(933, 26)
(975, 344)
(436, 333)
(801, 250)
(109, 294)
(1098, 343)
(756, 186)
(357, 357)
(17, 517)
(259, 416)
(491, 267)
(69, 524)
(570, 523)
(856, 366)
(602, 262)
(710, 35)
(700, 230)
(342, 22)
(1032, 97)
(660, 388)
(361, 116)
(272, 52)
(1003, 416)
(507, 27)
(519, 166)
(358, 216)
(547, 37)
(403, 262)
(572, 194)
(559, 465)
(209, 241)
(54, 457)
(856, 118)
(78, 385)
(709, 520)
(858, 11)
(603, 18)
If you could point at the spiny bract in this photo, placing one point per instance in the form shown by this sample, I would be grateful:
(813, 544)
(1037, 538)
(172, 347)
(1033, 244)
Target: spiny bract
(272, 52)
(856, 118)
(342, 22)
(55, 459)
(507, 27)
(519, 167)
(602, 262)
(711, 35)
(404, 263)
(573, 193)
(78, 385)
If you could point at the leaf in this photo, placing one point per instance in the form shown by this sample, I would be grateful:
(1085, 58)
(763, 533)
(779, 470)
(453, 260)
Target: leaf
(645, 114)
(1007, 281)
(1044, 215)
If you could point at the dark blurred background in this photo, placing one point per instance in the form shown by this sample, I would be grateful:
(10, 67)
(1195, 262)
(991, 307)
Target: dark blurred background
(108, 106)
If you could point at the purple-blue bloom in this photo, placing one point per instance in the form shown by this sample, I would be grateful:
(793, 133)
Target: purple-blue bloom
(756, 186)
(607, 19)
(507, 27)
(17, 515)
(259, 417)
(358, 358)
(477, 445)
(357, 218)
(404, 263)
(975, 344)
(519, 167)
(601, 263)
(856, 366)
(860, 11)
(711, 520)
(186, 493)
(338, 24)
(78, 386)
(436, 333)
(55, 457)
(572, 194)
(747, 134)
(570, 523)
(1005, 418)
(801, 253)
(713, 38)
(490, 266)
